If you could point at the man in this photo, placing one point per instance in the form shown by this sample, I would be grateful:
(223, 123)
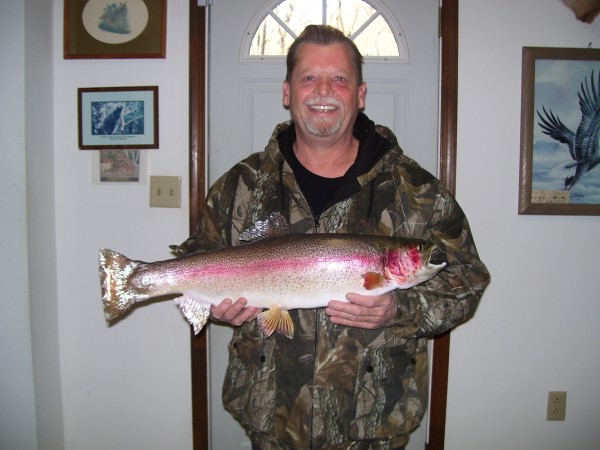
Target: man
(355, 373)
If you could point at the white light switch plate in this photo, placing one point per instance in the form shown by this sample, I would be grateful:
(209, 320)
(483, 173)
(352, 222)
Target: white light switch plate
(165, 191)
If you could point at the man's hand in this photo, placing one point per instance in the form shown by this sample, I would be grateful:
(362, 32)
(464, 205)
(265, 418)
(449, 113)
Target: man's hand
(363, 311)
(234, 313)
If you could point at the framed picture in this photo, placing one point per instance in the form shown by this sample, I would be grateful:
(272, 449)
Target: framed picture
(95, 29)
(114, 167)
(118, 117)
(560, 128)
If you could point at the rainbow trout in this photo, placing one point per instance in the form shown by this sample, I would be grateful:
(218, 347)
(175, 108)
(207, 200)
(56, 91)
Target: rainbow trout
(274, 271)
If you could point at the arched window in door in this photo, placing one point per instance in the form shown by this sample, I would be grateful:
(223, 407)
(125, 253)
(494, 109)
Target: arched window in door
(369, 24)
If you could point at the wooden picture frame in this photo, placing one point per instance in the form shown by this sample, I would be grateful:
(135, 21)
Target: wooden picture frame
(118, 117)
(560, 127)
(97, 29)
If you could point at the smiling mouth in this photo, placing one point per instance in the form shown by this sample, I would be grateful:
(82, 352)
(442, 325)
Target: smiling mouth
(323, 104)
(323, 107)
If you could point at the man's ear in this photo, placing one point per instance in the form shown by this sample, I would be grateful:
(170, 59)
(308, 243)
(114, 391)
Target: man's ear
(286, 94)
(362, 94)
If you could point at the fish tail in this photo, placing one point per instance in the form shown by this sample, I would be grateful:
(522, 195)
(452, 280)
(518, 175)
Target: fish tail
(117, 293)
(196, 313)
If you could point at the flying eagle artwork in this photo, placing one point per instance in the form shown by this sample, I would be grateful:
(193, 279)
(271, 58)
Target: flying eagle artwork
(582, 143)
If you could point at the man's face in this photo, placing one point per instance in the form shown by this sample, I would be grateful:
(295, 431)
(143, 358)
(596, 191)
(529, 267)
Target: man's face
(323, 95)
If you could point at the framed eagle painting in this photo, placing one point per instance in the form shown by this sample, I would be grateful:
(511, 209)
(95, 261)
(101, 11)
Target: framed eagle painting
(560, 131)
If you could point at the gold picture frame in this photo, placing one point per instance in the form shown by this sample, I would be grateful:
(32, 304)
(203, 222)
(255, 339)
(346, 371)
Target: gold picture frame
(99, 29)
(560, 127)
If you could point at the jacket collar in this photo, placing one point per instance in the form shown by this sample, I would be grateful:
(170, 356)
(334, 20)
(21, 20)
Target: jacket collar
(375, 142)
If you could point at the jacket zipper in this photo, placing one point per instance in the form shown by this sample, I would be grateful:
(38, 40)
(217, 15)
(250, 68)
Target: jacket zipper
(317, 223)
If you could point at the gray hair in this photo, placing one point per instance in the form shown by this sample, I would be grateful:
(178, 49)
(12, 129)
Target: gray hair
(323, 35)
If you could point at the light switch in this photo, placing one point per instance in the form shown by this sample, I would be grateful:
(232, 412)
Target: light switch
(165, 192)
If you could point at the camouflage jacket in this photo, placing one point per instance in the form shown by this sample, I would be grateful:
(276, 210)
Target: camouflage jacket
(332, 386)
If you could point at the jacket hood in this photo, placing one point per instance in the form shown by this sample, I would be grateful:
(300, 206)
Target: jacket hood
(375, 142)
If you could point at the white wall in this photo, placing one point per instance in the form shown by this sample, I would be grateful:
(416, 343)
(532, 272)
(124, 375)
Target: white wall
(536, 329)
(128, 386)
(17, 407)
(95, 387)
(41, 223)
(125, 386)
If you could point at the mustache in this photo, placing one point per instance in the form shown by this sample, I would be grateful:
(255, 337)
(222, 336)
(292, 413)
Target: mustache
(329, 101)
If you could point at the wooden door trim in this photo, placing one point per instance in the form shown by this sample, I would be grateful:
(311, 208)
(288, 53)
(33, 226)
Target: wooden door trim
(197, 193)
(447, 171)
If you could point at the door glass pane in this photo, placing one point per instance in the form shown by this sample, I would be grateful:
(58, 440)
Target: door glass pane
(360, 20)
(377, 40)
(348, 15)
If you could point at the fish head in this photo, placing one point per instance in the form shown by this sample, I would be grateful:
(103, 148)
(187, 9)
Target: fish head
(410, 264)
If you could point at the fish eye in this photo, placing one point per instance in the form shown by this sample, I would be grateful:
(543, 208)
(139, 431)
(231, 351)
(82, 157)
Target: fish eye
(419, 247)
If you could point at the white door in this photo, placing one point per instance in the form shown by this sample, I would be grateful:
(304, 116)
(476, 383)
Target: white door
(244, 105)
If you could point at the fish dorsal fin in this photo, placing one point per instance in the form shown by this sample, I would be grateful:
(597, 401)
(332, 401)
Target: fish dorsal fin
(273, 225)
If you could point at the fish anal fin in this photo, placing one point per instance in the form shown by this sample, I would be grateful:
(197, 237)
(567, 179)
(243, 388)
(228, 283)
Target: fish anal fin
(373, 280)
(196, 313)
(276, 319)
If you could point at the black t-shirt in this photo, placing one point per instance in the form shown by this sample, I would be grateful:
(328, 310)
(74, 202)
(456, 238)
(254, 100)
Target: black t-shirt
(320, 192)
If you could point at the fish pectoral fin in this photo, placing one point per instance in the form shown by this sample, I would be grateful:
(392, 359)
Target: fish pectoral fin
(196, 313)
(276, 319)
(373, 280)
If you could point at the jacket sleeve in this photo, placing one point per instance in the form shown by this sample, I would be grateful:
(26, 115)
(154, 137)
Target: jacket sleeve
(209, 233)
(224, 212)
(451, 297)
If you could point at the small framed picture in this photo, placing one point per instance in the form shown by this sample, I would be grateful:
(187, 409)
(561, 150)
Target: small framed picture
(118, 117)
(96, 29)
(560, 128)
(113, 167)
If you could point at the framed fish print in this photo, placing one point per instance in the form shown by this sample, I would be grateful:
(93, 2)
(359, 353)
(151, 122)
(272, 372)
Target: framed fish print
(118, 117)
(95, 29)
(560, 129)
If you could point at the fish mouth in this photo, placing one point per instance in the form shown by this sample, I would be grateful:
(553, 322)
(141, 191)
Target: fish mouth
(427, 264)
(426, 253)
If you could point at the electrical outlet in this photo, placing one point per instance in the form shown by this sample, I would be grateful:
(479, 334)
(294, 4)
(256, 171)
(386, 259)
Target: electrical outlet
(557, 405)
(165, 192)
